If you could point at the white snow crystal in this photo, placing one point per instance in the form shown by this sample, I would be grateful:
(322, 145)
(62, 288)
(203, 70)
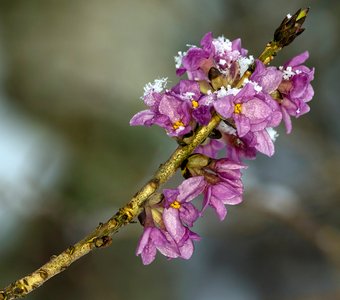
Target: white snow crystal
(178, 58)
(188, 95)
(272, 133)
(226, 128)
(157, 86)
(221, 92)
(244, 63)
(288, 73)
(222, 45)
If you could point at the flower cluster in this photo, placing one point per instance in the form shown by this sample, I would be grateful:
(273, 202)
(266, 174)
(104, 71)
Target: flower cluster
(250, 108)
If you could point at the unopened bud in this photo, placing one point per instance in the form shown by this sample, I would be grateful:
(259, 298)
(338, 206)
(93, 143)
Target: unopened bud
(290, 28)
(193, 164)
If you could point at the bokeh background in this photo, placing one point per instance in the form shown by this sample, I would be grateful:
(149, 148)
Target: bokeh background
(71, 74)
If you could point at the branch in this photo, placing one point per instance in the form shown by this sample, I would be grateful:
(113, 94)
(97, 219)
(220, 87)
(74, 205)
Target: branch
(101, 236)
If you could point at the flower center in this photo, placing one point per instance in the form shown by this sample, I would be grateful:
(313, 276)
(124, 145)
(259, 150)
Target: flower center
(177, 125)
(194, 103)
(238, 108)
(175, 204)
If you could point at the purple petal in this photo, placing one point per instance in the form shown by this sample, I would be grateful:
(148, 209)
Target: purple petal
(309, 93)
(219, 208)
(167, 248)
(287, 120)
(233, 201)
(173, 223)
(188, 214)
(191, 188)
(246, 93)
(194, 59)
(170, 195)
(236, 45)
(187, 249)
(206, 198)
(256, 109)
(297, 60)
(224, 106)
(180, 71)
(149, 254)
(242, 124)
(269, 78)
(265, 144)
(146, 247)
(144, 117)
(144, 240)
(202, 114)
(187, 86)
(225, 165)
(223, 192)
(206, 42)
(210, 149)
(169, 107)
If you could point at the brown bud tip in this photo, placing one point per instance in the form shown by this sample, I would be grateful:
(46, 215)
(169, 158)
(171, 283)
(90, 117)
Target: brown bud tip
(290, 28)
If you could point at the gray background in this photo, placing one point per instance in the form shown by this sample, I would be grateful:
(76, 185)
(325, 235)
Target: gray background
(71, 74)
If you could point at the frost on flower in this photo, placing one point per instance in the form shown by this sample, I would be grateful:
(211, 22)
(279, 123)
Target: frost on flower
(155, 87)
(250, 110)
(272, 133)
(244, 63)
(222, 45)
(178, 58)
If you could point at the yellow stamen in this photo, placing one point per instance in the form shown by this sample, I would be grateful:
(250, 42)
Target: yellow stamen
(177, 125)
(175, 204)
(194, 103)
(238, 108)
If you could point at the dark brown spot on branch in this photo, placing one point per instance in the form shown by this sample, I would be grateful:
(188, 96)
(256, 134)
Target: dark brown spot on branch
(103, 241)
(70, 250)
(18, 290)
(154, 183)
(43, 274)
(3, 296)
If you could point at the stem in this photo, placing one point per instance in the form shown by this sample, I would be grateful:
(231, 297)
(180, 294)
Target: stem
(101, 236)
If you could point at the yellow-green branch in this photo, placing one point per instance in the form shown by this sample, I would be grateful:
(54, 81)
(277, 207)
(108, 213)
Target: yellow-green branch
(101, 236)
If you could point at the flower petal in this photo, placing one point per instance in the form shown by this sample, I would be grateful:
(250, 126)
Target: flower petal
(188, 214)
(242, 124)
(224, 106)
(191, 188)
(219, 207)
(144, 240)
(256, 109)
(173, 223)
(264, 143)
(144, 117)
(297, 60)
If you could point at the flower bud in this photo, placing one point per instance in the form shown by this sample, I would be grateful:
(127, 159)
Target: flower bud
(290, 28)
(193, 165)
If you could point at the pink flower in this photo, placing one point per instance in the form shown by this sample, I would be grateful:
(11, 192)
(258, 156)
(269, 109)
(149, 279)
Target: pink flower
(224, 185)
(249, 109)
(295, 89)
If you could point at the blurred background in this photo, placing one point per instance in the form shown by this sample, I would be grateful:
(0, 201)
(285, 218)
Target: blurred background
(71, 74)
